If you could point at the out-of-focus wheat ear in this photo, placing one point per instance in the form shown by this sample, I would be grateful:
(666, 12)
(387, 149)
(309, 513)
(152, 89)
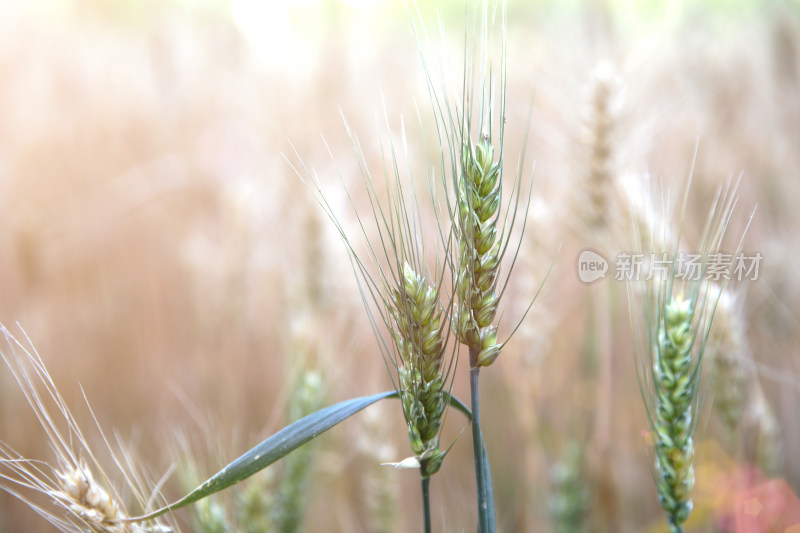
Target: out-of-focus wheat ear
(769, 450)
(79, 494)
(569, 499)
(253, 504)
(594, 196)
(210, 516)
(289, 508)
(729, 361)
(378, 484)
(307, 390)
(739, 398)
(244, 508)
(594, 199)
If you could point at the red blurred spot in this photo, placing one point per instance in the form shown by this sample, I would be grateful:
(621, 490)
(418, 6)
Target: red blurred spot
(770, 507)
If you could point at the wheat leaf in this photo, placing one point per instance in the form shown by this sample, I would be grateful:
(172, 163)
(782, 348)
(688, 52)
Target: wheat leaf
(280, 445)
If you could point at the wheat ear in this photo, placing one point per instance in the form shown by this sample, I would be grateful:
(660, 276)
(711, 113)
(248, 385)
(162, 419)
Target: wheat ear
(569, 497)
(675, 382)
(417, 314)
(596, 194)
(481, 231)
(674, 328)
(478, 194)
(406, 298)
(729, 361)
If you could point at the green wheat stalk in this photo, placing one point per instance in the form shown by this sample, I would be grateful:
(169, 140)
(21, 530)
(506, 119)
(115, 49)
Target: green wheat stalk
(474, 128)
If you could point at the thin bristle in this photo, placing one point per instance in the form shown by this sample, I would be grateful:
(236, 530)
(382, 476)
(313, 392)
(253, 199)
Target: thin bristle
(78, 488)
(404, 281)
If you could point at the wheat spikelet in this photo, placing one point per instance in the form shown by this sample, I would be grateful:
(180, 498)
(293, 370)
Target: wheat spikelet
(80, 493)
(85, 497)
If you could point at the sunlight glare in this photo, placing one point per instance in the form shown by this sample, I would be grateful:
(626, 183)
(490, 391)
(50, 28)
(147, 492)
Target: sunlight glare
(265, 24)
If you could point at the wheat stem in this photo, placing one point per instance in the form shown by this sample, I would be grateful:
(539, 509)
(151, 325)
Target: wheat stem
(426, 503)
(478, 449)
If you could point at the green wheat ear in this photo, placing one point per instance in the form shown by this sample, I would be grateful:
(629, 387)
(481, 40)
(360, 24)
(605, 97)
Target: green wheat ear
(478, 200)
(403, 295)
(671, 319)
(675, 384)
(417, 314)
(474, 129)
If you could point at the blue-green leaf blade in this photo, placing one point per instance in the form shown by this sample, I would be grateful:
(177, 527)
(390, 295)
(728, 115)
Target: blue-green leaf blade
(282, 444)
(274, 448)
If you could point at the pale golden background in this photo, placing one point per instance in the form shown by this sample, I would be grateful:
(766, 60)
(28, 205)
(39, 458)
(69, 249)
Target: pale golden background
(161, 253)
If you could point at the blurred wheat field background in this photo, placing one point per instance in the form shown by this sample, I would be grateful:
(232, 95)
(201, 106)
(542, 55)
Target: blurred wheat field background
(165, 260)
